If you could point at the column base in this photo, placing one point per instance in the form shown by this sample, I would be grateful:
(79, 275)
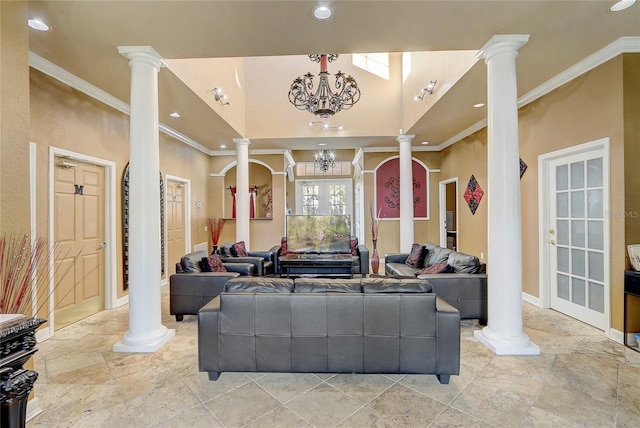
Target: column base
(505, 345)
(148, 343)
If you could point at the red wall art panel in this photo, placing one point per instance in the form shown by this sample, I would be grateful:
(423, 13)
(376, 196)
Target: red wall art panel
(388, 189)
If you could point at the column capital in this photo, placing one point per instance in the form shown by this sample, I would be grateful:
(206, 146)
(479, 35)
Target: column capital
(502, 43)
(143, 54)
(404, 138)
(241, 141)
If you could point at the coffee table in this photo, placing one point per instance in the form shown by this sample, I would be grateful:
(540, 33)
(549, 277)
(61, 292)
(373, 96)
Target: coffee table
(320, 264)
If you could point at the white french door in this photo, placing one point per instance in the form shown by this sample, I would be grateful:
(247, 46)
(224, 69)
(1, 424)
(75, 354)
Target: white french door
(578, 235)
(324, 197)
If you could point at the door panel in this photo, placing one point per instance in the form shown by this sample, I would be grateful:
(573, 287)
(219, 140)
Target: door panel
(578, 231)
(175, 223)
(79, 231)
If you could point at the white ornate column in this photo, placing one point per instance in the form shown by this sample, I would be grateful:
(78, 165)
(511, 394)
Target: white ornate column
(146, 332)
(406, 193)
(242, 190)
(503, 333)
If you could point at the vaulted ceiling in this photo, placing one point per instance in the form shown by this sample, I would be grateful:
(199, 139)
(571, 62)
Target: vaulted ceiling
(245, 35)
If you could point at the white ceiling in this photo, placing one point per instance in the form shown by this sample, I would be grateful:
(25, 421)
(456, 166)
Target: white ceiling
(85, 35)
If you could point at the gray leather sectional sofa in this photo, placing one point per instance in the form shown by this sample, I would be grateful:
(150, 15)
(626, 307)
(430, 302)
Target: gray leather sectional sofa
(368, 325)
(465, 287)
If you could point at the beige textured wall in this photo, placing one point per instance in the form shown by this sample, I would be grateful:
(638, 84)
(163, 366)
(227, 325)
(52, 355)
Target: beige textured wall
(14, 118)
(584, 110)
(65, 118)
(631, 70)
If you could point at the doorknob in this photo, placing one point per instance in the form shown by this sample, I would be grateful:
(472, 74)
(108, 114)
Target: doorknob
(552, 242)
(102, 245)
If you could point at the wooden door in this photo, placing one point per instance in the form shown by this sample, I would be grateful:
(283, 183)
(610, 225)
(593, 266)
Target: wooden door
(79, 231)
(175, 223)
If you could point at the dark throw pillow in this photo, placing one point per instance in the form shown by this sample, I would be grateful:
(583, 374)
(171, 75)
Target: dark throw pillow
(215, 264)
(353, 245)
(416, 257)
(283, 246)
(436, 268)
(204, 265)
(238, 250)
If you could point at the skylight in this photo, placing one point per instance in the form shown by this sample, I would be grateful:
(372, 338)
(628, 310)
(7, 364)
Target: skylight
(376, 63)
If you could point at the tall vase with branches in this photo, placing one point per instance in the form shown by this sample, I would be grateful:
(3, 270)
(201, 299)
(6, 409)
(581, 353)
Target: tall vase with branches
(375, 228)
(215, 225)
(24, 289)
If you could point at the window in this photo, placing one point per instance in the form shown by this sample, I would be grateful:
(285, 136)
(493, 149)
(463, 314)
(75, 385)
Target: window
(324, 197)
(376, 63)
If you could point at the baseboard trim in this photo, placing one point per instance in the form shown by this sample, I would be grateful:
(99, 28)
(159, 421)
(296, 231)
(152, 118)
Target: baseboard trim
(616, 336)
(122, 301)
(33, 408)
(531, 299)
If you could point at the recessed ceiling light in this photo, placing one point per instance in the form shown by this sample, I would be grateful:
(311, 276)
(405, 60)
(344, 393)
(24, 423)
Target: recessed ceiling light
(174, 114)
(322, 13)
(425, 143)
(478, 105)
(322, 144)
(621, 5)
(223, 146)
(36, 24)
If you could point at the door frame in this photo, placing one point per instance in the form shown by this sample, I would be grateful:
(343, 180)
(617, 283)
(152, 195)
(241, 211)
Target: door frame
(442, 202)
(544, 220)
(187, 219)
(111, 300)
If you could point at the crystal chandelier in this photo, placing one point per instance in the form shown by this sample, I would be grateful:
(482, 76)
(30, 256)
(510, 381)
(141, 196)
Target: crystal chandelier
(324, 160)
(324, 103)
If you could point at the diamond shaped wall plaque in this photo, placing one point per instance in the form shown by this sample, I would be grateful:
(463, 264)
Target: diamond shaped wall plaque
(523, 167)
(473, 194)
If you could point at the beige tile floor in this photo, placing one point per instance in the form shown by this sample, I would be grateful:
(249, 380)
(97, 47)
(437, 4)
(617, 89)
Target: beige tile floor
(581, 379)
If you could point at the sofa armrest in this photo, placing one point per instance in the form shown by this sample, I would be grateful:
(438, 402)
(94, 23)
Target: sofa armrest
(395, 257)
(258, 262)
(244, 269)
(188, 292)
(275, 250)
(266, 255)
(363, 251)
(448, 337)
(208, 336)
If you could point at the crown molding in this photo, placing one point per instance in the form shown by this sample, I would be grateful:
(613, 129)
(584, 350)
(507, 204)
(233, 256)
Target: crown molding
(463, 134)
(70, 79)
(613, 49)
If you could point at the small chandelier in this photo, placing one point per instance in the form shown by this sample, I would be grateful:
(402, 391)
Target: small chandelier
(324, 160)
(324, 103)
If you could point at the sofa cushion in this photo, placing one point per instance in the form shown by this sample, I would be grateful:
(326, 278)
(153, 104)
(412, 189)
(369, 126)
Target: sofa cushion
(435, 268)
(191, 262)
(239, 250)
(464, 263)
(416, 256)
(215, 264)
(437, 255)
(258, 284)
(353, 245)
(225, 249)
(327, 285)
(384, 285)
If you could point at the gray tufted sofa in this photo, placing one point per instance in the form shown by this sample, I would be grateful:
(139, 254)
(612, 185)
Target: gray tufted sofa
(329, 326)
